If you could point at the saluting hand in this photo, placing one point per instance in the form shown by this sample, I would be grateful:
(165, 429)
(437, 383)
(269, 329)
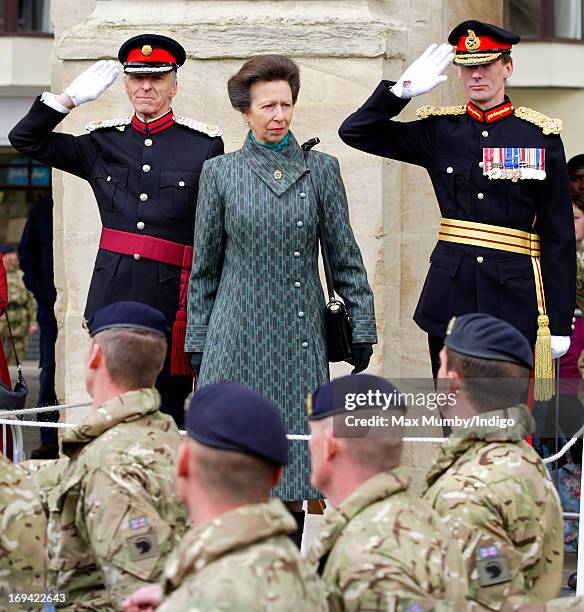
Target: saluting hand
(91, 83)
(425, 73)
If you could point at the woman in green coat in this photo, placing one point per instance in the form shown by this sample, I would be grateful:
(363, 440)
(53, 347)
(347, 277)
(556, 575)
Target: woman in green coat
(256, 304)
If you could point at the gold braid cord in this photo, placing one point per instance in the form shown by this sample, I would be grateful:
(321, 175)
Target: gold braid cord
(439, 111)
(547, 124)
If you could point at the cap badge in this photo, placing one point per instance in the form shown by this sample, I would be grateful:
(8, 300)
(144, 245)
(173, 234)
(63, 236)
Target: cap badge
(450, 326)
(146, 50)
(472, 42)
(309, 404)
(278, 174)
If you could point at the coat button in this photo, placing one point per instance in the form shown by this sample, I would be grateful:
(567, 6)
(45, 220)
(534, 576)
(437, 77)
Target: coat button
(485, 133)
(450, 169)
(480, 196)
(140, 225)
(300, 224)
(181, 183)
(305, 345)
(480, 164)
(480, 259)
(296, 253)
(301, 314)
(302, 194)
(144, 197)
(137, 257)
(148, 142)
(297, 284)
(145, 168)
(109, 179)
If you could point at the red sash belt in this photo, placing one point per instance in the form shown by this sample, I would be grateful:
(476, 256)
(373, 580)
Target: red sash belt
(164, 251)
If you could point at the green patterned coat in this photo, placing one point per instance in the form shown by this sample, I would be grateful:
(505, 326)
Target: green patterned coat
(255, 299)
(113, 515)
(384, 549)
(501, 506)
(244, 560)
(23, 535)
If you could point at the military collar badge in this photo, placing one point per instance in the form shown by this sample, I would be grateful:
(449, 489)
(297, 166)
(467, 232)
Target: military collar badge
(491, 115)
(156, 125)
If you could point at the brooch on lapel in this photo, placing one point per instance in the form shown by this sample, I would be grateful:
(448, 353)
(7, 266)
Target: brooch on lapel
(515, 163)
(278, 174)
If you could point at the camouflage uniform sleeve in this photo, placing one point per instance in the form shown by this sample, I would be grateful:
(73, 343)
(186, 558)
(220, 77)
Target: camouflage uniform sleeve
(129, 538)
(44, 476)
(482, 529)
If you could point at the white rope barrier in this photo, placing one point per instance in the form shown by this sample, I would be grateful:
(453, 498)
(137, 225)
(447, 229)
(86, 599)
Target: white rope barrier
(41, 409)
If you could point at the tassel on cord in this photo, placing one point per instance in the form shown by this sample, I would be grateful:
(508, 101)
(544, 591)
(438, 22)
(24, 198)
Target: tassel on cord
(179, 360)
(544, 365)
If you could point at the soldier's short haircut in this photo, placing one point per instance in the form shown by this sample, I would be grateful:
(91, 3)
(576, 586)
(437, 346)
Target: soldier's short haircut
(230, 475)
(375, 454)
(262, 68)
(134, 357)
(489, 384)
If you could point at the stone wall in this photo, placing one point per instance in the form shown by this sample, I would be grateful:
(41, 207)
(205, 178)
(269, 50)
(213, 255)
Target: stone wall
(343, 48)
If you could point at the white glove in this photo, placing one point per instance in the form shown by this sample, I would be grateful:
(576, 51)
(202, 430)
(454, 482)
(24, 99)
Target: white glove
(91, 83)
(560, 346)
(425, 73)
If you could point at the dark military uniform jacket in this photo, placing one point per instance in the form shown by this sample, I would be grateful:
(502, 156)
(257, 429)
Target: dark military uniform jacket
(143, 184)
(449, 143)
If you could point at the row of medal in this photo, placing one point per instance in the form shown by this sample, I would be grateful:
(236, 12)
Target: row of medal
(514, 163)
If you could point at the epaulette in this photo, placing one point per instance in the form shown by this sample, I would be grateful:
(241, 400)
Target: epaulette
(547, 124)
(440, 111)
(108, 123)
(199, 126)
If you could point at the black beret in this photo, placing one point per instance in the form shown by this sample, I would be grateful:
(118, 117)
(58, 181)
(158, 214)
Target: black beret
(148, 53)
(331, 398)
(128, 315)
(232, 417)
(576, 163)
(485, 337)
(480, 43)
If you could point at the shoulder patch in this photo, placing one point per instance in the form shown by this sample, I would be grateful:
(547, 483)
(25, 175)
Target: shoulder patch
(120, 122)
(547, 124)
(199, 126)
(440, 111)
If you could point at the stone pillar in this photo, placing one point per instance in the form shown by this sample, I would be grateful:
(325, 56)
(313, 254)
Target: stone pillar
(343, 48)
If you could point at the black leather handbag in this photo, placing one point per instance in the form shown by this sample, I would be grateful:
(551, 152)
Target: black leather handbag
(13, 399)
(336, 319)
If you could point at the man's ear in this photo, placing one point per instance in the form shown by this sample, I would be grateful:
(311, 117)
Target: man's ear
(454, 382)
(508, 69)
(96, 357)
(184, 458)
(331, 444)
(277, 475)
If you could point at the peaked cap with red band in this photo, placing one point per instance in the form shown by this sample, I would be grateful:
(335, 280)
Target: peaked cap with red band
(148, 53)
(480, 43)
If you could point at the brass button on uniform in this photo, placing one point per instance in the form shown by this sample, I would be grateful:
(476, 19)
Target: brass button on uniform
(485, 133)
(140, 225)
(137, 257)
(450, 169)
(148, 142)
(480, 164)
(145, 168)
(480, 196)
(109, 179)
(480, 259)
(144, 197)
(181, 183)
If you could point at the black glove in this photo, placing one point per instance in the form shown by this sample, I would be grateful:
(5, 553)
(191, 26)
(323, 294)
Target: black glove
(362, 352)
(196, 359)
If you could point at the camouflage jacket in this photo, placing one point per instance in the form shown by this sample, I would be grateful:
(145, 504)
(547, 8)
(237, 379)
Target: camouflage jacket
(23, 535)
(114, 515)
(502, 508)
(21, 305)
(244, 561)
(384, 549)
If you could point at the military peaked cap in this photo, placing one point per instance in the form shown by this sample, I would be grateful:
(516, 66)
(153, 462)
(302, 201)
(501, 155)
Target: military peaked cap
(480, 43)
(149, 53)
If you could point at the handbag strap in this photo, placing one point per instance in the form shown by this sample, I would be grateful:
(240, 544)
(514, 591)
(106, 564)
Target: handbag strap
(18, 366)
(323, 248)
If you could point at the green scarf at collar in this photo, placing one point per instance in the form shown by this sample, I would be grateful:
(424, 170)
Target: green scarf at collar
(278, 146)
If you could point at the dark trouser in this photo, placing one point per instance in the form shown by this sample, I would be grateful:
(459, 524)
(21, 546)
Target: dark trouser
(47, 396)
(435, 344)
(174, 391)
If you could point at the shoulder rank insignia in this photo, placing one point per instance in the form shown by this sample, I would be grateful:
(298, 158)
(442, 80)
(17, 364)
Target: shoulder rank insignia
(120, 123)
(547, 124)
(440, 111)
(199, 126)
